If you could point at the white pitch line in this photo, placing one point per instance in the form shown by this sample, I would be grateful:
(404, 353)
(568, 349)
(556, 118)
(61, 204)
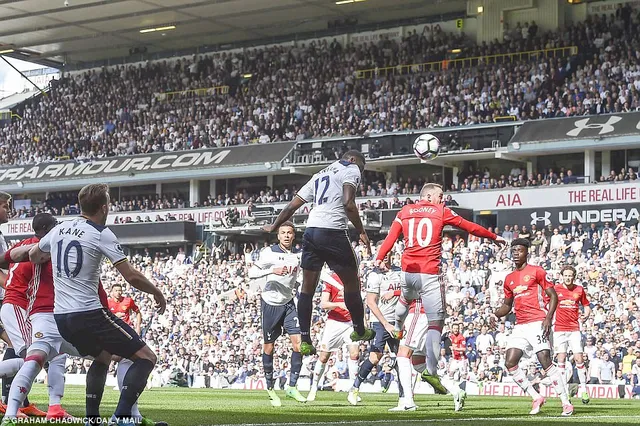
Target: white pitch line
(423, 421)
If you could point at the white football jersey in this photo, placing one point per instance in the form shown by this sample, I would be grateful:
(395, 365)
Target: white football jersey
(3, 248)
(276, 289)
(324, 190)
(77, 249)
(380, 283)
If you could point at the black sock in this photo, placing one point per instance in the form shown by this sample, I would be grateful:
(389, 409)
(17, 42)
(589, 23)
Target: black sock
(305, 308)
(353, 300)
(296, 366)
(267, 366)
(96, 379)
(363, 373)
(132, 386)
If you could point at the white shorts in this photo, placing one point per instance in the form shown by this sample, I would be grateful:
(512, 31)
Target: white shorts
(563, 340)
(335, 335)
(528, 338)
(16, 323)
(458, 365)
(45, 332)
(429, 288)
(415, 333)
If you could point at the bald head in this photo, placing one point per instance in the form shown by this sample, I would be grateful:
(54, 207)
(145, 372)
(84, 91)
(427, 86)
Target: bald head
(431, 192)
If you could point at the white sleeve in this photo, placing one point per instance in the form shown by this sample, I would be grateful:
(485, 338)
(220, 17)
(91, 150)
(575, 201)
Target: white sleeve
(352, 176)
(110, 247)
(373, 283)
(45, 242)
(307, 191)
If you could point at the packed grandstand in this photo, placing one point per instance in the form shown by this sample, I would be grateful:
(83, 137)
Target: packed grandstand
(210, 335)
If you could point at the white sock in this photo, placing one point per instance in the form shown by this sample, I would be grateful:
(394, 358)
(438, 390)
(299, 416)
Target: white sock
(318, 374)
(432, 350)
(521, 380)
(582, 377)
(558, 382)
(55, 378)
(404, 377)
(21, 386)
(352, 364)
(451, 385)
(123, 367)
(9, 367)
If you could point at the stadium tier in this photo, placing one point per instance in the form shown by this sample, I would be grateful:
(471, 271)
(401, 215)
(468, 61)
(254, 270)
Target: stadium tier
(533, 137)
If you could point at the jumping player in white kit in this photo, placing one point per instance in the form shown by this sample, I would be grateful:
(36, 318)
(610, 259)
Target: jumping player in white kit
(279, 264)
(326, 240)
(422, 225)
(77, 248)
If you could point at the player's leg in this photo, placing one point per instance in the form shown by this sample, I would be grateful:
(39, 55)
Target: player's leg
(557, 379)
(575, 342)
(121, 370)
(55, 379)
(311, 264)
(352, 364)
(272, 317)
(405, 402)
(318, 374)
(409, 294)
(375, 355)
(21, 386)
(16, 332)
(291, 325)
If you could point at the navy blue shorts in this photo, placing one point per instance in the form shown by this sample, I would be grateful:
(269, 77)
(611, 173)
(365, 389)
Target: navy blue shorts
(275, 318)
(330, 246)
(383, 337)
(92, 332)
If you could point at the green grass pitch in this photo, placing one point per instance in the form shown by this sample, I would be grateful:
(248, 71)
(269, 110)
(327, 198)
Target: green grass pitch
(191, 407)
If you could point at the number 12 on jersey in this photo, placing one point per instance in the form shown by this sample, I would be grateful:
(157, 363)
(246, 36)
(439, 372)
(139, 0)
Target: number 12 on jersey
(74, 244)
(321, 184)
(421, 234)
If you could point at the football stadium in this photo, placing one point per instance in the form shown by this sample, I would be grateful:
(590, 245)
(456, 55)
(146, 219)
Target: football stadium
(299, 212)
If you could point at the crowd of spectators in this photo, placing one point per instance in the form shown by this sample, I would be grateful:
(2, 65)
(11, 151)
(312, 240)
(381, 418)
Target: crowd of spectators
(311, 90)
(212, 324)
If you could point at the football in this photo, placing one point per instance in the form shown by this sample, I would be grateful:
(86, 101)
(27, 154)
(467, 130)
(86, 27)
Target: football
(426, 147)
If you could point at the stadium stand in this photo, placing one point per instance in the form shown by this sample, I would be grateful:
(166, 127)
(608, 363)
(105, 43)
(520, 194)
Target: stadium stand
(315, 90)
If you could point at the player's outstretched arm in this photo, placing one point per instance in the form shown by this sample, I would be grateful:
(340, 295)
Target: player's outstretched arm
(285, 213)
(139, 281)
(37, 255)
(351, 209)
(16, 255)
(387, 244)
(452, 218)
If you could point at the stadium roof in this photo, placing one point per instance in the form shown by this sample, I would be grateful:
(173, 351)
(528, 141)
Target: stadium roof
(86, 31)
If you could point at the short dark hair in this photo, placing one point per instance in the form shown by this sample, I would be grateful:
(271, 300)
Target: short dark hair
(5, 196)
(568, 268)
(43, 223)
(521, 242)
(116, 285)
(289, 224)
(354, 153)
(92, 197)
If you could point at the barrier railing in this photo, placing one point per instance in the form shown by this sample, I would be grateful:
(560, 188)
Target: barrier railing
(559, 52)
(208, 91)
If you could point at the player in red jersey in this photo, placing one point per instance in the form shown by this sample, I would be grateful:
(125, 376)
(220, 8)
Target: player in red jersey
(15, 312)
(458, 366)
(422, 225)
(123, 306)
(337, 330)
(524, 291)
(566, 331)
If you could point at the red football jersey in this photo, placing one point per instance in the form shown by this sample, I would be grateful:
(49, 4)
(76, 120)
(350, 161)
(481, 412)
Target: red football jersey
(422, 224)
(458, 340)
(526, 288)
(104, 300)
(334, 287)
(568, 311)
(124, 306)
(412, 306)
(18, 279)
(41, 293)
